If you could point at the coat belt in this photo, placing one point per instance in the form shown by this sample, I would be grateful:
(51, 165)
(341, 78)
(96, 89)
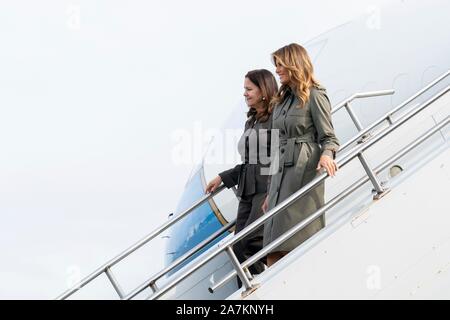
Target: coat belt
(289, 146)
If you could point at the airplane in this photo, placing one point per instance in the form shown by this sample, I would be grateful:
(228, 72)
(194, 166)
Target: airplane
(388, 238)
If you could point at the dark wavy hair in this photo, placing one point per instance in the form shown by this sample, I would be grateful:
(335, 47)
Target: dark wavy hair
(265, 81)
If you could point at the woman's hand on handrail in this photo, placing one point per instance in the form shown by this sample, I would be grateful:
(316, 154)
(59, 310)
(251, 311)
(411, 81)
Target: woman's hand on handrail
(213, 184)
(329, 164)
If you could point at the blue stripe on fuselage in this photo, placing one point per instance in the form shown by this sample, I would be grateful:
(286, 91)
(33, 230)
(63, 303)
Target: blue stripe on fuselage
(194, 228)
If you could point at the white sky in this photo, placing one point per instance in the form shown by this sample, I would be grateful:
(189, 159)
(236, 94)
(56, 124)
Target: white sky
(88, 103)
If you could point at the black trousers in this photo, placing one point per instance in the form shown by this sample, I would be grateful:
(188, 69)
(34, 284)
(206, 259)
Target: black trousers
(250, 210)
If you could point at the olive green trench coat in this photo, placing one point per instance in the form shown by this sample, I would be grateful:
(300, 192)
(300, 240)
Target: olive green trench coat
(305, 134)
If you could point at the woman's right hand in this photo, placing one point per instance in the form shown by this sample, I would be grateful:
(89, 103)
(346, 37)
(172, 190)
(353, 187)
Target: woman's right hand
(265, 205)
(213, 184)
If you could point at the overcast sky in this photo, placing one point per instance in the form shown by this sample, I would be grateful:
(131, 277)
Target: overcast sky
(90, 94)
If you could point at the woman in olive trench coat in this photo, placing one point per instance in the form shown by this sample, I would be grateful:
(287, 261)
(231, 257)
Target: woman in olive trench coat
(251, 176)
(302, 115)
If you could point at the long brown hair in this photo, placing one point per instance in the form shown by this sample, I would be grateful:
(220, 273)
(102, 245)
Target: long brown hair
(296, 60)
(266, 82)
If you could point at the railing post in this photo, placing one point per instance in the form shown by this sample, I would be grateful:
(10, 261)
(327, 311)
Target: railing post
(379, 189)
(114, 282)
(353, 116)
(241, 273)
(248, 273)
(153, 286)
(357, 123)
(389, 119)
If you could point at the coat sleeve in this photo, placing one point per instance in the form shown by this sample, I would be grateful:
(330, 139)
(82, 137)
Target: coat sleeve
(230, 177)
(321, 115)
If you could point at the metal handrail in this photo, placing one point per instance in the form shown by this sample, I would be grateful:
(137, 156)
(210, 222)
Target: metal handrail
(106, 268)
(151, 282)
(227, 245)
(360, 95)
(388, 115)
(346, 104)
(362, 133)
(341, 162)
(331, 203)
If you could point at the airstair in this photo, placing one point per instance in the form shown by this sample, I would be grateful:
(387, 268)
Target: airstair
(359, 150)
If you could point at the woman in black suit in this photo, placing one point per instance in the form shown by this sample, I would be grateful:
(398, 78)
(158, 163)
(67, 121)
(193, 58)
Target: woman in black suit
(251, 176)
